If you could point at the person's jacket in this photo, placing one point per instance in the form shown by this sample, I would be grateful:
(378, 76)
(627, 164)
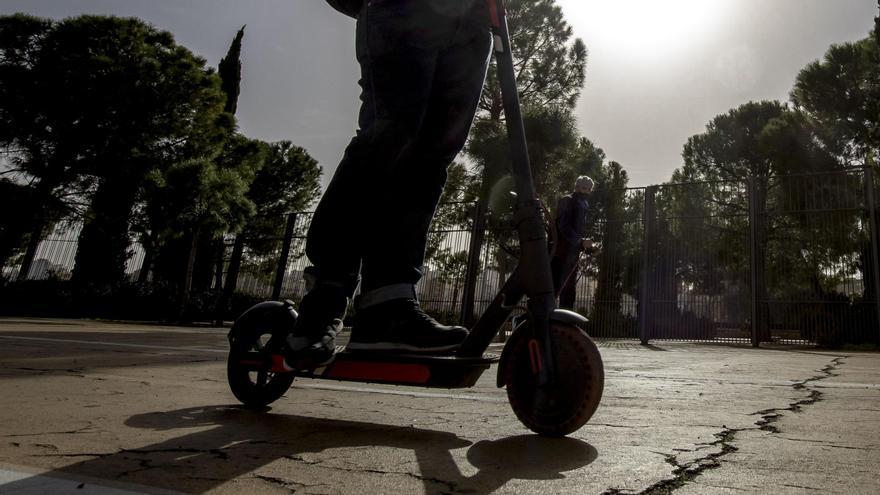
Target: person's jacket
(571, 225)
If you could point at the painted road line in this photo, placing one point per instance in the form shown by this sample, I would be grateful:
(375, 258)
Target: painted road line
(117, 344)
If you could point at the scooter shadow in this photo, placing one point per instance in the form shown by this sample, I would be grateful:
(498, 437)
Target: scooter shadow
(231, 441)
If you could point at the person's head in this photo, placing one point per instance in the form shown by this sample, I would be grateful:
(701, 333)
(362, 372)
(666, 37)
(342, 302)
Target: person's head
(583, 185)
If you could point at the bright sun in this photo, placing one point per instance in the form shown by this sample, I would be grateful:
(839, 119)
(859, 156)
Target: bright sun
(643, 27)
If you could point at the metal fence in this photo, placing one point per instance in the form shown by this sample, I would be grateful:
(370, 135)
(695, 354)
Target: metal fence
(786, 259)
(56, 255)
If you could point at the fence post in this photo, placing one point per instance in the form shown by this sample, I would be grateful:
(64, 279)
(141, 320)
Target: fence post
(647, 250)
(754, 252)
(469, 294)
(285, 255)
(875, 240)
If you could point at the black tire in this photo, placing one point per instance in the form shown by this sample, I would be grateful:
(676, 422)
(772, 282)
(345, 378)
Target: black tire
(564, 407)
(252, 388)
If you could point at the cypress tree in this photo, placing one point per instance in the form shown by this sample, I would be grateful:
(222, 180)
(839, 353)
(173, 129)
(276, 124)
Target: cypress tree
(229, 70)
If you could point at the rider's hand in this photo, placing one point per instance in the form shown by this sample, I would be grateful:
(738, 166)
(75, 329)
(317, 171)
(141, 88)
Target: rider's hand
(586, 245)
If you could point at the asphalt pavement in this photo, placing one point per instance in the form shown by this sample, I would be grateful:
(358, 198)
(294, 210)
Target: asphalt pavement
(109, 408)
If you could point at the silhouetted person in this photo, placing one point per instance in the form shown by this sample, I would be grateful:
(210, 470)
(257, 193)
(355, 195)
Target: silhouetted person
(423, 63)
(571, 228)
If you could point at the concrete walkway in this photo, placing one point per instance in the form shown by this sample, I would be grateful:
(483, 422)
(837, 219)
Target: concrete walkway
(146, 409)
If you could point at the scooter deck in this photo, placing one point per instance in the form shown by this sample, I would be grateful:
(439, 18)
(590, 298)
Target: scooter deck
(403, 369)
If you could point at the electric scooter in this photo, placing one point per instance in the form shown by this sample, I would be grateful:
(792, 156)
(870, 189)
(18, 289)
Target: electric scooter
(551, 368)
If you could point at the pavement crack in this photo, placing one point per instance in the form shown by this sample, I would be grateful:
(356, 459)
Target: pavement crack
(79, 454)
(84, 429)
(831, 445)
(684, 473)
(770, 416)
(799, 487)
(220, 453)
(288, 485)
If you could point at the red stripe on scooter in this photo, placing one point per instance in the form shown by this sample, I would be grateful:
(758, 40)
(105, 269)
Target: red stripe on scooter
(493, 13)
(535, 356)
(278, 365)
(380, 372)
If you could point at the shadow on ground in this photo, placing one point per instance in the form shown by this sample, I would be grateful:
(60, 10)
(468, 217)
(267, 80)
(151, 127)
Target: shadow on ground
(230, 441)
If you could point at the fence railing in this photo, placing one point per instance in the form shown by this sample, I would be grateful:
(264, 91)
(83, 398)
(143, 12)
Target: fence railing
(787, 259)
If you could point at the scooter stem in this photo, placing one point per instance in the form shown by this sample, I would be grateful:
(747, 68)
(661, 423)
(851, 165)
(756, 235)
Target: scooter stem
(536, 278)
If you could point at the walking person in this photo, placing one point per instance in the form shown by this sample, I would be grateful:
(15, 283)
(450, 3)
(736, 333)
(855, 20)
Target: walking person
(570, 223)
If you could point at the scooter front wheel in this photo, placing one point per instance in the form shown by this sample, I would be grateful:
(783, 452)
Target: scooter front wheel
(566, 404)
(254, 387)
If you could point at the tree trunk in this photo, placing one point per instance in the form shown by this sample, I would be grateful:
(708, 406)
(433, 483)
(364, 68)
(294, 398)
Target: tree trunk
(218, 264)
(204, 267)
(234, 266)
(104, 241)
(231, 279)
(186, 288)
(147, 265)
(31, 252)
(43, 195)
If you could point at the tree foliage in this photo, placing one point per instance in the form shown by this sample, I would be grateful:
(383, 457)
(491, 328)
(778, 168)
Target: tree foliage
(729, 148)
(29, 136)
(109, 99)
(288, 182)
(762, 173)
(19, 208)
(841, 93)
(550, 67)
(194, 197)
(552, 138)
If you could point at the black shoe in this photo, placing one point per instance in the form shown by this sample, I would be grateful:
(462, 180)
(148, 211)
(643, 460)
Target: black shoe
(400, 326)
(312, 343)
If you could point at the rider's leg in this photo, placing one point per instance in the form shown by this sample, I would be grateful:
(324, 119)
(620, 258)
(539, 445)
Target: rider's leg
(389, 316)
(398, 46)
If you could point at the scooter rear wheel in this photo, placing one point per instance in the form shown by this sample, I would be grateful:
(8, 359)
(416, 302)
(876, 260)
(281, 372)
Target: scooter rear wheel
(560, 408)
(254, 388)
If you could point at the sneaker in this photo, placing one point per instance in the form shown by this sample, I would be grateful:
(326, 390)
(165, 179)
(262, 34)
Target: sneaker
(312, 343)
(400, 326)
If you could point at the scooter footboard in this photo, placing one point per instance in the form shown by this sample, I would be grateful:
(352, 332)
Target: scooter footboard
(413, 370)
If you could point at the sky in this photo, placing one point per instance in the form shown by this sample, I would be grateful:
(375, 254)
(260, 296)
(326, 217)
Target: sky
(658, 71)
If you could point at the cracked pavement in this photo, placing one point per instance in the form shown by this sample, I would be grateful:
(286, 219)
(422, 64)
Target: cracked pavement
(146, 408)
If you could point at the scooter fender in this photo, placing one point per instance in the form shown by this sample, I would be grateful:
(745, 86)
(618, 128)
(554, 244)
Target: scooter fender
(559, 315)
(279, 317)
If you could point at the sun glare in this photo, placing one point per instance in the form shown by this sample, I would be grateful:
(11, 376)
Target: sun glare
(644, 27)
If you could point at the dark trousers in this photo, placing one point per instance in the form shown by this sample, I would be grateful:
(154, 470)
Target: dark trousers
(423, 63)
(565, 278)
